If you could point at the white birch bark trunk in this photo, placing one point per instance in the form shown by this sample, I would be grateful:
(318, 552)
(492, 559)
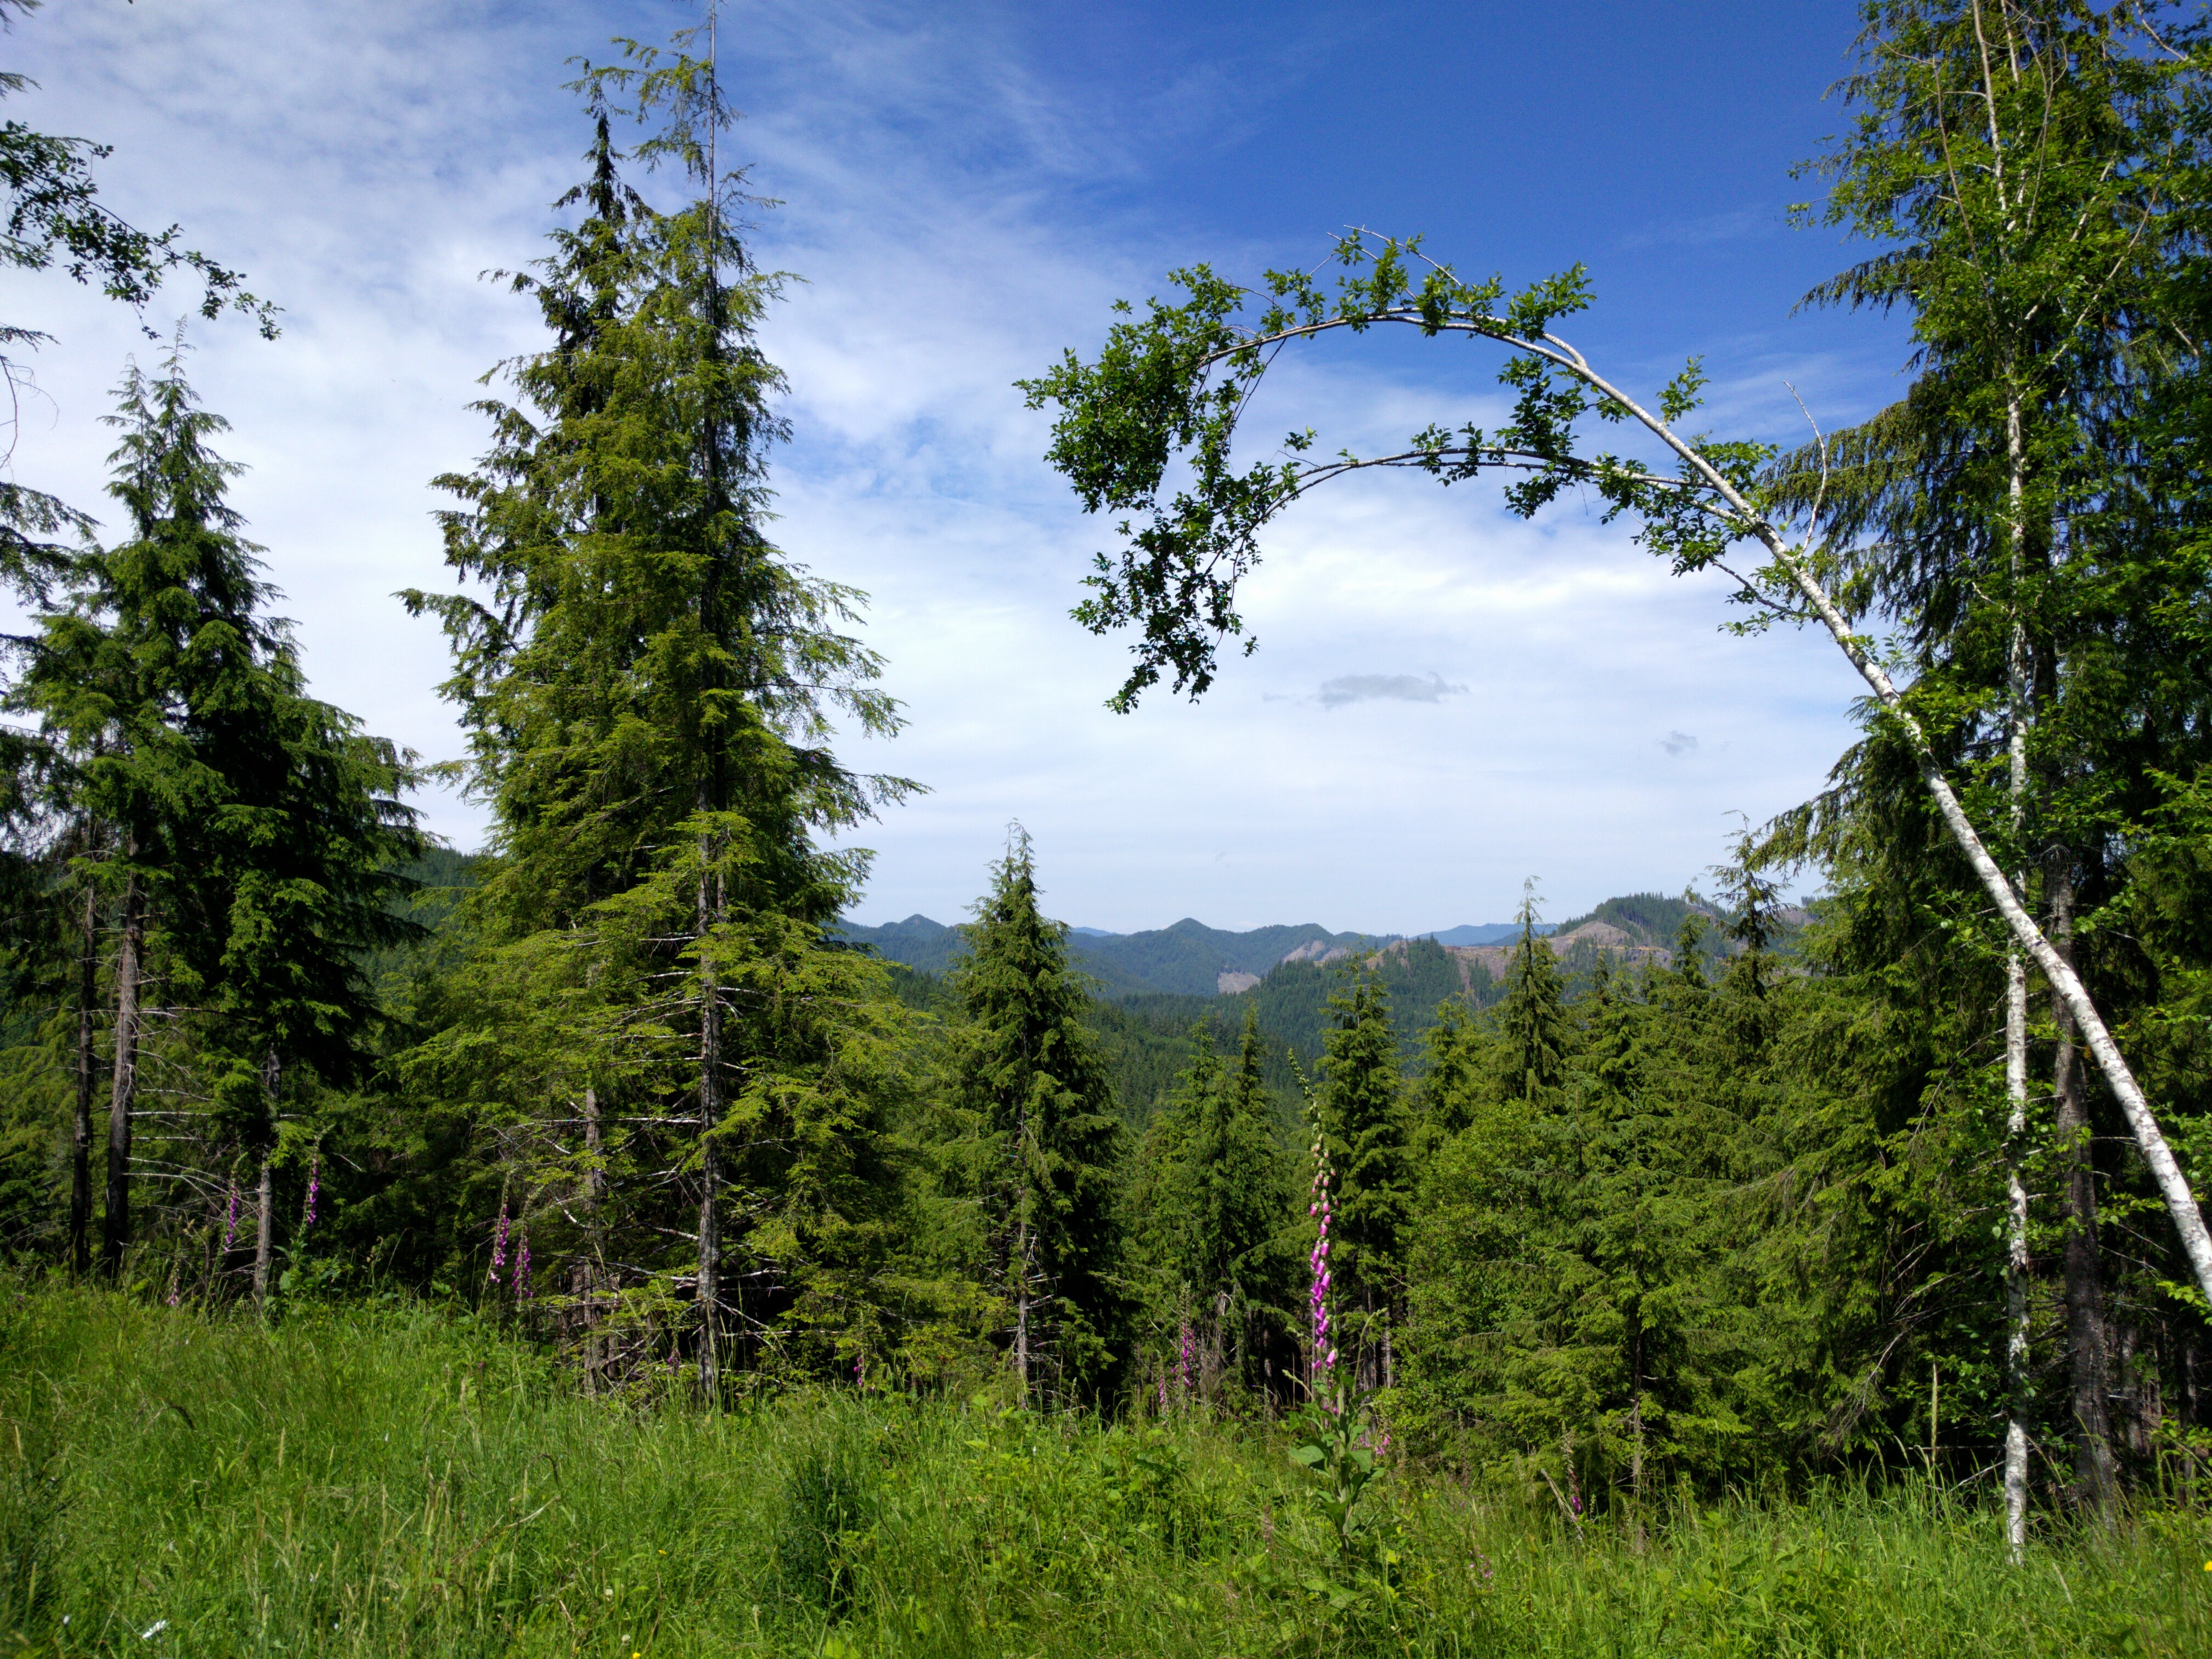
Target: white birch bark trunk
(2016, 1256)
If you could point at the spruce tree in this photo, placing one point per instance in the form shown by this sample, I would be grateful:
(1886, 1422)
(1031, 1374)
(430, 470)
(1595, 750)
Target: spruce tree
(153, 632)
(1026, 1067)
(1456, 1060)
(251, 831)
(1207, 1204)
(1162, 1209)
(1364, 1118)
(649, 695)
(1531, 1016)
(304, 858)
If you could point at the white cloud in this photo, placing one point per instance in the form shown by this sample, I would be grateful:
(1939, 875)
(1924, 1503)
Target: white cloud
(945, 205)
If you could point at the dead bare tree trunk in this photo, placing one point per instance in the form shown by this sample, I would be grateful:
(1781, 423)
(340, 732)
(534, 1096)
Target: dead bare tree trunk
(115, 1226)
(263, 1198)
(713, 797)
(88, 1072)
(1025, 1233)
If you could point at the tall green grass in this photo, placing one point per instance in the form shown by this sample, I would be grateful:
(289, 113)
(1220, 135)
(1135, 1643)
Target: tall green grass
(395, 1482)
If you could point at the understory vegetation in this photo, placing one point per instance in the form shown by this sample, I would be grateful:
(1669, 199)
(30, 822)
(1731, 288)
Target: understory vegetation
(387, 1479)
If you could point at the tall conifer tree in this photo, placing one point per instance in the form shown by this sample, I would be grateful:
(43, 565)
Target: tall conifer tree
(2024, 164)
(1027, 1069)
(1532, 1015)
(1207, 1206)
(649, 694)
(1364, 1116)
(253, 830)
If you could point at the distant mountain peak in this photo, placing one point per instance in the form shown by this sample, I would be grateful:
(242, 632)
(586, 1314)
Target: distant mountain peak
(1188, 959)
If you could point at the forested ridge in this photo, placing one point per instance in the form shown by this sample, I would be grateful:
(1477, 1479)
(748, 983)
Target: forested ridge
(1874, 1209)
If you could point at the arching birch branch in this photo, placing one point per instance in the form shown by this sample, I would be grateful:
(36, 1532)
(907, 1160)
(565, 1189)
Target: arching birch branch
(2150, 1140)
(1154, 395)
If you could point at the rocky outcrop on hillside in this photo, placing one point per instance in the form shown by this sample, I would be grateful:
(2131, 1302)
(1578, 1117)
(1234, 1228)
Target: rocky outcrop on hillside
(1625, 950)
(1589, 938)
(1318, 950)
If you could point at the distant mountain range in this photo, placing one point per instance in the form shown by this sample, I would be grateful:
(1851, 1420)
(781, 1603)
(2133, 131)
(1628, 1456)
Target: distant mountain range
(1187, 959)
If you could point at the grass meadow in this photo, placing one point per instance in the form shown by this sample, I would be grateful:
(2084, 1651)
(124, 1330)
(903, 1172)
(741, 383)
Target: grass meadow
(401, 1481)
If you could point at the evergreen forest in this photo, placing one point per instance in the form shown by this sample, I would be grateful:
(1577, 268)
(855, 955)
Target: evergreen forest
(595, 1243)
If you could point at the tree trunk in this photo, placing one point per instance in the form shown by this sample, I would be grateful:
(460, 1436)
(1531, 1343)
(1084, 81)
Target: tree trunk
(710, 1165)
(88, 1072)
(115, 1229)
(264, 1227)
(1934, 1415)
(712, 796)
(1022, 1299)
(2016, 1258)
(2138, 1389)
(1025, 1234)
(587, 1271)
(263, 1233)
(2088, 1337)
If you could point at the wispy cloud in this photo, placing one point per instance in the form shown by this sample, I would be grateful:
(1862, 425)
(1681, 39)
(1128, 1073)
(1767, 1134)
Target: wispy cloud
(1706, 230)
(1386, 688)
(1679, 743)
(963, 208)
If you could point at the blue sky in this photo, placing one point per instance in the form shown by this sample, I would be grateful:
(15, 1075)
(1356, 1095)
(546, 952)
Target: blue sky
(1445, 699)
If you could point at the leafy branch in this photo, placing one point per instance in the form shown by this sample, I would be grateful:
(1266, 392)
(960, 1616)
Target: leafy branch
(1169, 389)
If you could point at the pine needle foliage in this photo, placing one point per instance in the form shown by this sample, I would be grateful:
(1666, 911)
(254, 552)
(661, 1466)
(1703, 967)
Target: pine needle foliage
(649, 686)
(1026, 1074)
(1210, 1191)
(1367, 1123)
